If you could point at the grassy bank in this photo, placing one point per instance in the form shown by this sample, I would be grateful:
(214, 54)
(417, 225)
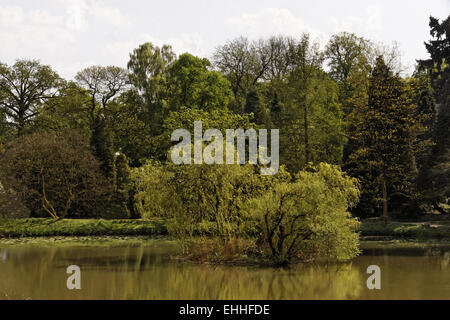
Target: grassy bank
(38, 227)
(425, 230)
(34, 227)
(88, 241)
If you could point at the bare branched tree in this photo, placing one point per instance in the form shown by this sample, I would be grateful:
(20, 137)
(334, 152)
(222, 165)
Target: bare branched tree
(103, 84)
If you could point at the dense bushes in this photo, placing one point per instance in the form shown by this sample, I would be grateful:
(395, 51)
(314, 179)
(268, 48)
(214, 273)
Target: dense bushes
(53, 175)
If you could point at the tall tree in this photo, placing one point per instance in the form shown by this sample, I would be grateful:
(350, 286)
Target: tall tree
(102, 142)
(439, 50)
(243, 63)
(344, 53)
(24, 88)
(103, 84)
(132, 133)
(386, 130)
(193, 85)
(306, 108)
(439, 72)
(147, 69)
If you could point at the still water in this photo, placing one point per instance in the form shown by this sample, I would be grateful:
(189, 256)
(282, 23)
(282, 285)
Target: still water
(142, 271)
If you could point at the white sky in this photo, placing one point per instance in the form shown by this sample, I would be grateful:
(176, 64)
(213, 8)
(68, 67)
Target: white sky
(73, 34)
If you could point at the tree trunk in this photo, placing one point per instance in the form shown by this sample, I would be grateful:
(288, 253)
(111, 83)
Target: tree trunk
(306, 124)
(20, 122)
(385, 201)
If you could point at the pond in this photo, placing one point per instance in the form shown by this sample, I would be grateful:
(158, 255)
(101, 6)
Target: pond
(147, 271)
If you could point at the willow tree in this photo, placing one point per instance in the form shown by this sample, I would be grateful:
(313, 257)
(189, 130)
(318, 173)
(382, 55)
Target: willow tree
(308, 218)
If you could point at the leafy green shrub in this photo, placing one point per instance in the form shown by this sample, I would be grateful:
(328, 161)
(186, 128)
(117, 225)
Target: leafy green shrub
(309, 218)
(153, 193)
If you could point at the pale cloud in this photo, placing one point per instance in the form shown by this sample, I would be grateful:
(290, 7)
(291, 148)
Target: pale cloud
(108, 14)
(369, 24)
(27, 30)
(186, 42)
(53, 34)
(271, 21)
(72, 68)
(11, 15)
(79, 12)
(374, 20)
(40, 17)
(76, 18)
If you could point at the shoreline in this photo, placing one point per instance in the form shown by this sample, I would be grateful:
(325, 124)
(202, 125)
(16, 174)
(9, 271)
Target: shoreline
(85, 229)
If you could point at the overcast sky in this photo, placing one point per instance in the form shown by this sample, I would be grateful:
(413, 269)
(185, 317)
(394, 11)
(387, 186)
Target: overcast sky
(73, 34)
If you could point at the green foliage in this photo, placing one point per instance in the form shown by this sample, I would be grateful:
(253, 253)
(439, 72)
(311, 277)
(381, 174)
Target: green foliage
(254, 105)
(221, 119)
(70, 109)
(386, 127)
(39, 227)
(390, 133)
(439, 188)
(24, 87)
(131, 133)
(6, 132)
(434, 183)
(243, 65)
(122, 203)
(345, 53)
(399, 230)
(192, 85)
(101, 141)
(153, 193)
(103, 84)
(311, 122)
(191, 195)
(53, 175)
(439, 50)
(309, 218)
(147, 67)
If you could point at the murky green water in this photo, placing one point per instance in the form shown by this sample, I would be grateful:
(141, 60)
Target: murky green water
(147, 272)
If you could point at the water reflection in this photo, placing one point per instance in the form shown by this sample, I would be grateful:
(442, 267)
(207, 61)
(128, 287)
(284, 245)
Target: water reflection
(149, 272)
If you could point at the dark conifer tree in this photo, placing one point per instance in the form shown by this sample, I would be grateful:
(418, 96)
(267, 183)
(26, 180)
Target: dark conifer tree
(101, 141)
(439, 71)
